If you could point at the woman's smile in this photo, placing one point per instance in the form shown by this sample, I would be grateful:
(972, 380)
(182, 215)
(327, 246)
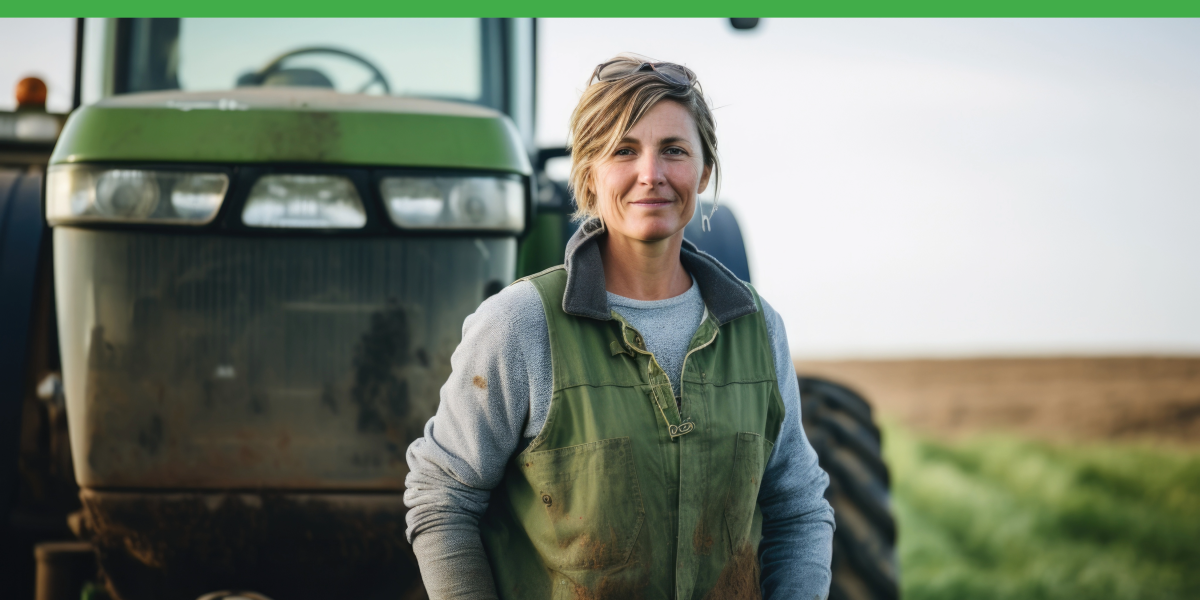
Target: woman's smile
(652, 202)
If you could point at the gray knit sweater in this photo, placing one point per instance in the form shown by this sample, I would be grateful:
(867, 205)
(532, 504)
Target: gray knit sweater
(477, 429)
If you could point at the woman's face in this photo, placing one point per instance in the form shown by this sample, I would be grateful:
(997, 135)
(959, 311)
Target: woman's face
(646, 189)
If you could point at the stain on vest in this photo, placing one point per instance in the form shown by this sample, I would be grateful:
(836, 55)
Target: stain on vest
(611, 587)
(740, 577)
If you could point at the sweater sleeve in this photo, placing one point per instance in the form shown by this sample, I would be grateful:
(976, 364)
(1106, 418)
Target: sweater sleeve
(484, 409)
(797, 542)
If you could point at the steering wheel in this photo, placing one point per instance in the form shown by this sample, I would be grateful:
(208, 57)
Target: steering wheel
(276, 65)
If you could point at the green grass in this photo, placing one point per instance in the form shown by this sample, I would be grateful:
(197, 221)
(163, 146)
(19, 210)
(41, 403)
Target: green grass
(1000, 517)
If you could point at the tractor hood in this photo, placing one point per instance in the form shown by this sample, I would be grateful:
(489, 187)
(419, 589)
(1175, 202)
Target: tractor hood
(291, 125)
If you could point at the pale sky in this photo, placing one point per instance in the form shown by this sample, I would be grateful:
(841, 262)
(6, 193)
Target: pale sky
(945, 187)
(917, 187)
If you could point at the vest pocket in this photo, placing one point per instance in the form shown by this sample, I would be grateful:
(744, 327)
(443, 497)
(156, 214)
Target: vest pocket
(587, 506)
(749, 463)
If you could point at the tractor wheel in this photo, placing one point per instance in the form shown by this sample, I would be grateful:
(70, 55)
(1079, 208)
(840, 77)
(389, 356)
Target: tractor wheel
(839, 425)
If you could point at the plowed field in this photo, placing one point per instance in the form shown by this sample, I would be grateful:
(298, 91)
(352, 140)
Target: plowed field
(1050, 398)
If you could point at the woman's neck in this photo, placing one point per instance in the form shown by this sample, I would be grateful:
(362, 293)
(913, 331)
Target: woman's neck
(643, 270)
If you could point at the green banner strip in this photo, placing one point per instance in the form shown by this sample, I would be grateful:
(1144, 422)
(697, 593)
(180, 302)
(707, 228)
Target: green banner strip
(559, 8)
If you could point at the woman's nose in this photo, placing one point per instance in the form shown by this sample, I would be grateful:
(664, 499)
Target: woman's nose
(650, 171)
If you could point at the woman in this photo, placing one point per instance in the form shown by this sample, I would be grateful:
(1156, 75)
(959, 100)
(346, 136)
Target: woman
(626, 425)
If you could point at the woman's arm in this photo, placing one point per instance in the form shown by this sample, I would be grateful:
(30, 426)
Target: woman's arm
(497, 370)
(797, 542)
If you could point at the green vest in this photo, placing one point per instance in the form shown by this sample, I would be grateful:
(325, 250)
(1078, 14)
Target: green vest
(624, 495)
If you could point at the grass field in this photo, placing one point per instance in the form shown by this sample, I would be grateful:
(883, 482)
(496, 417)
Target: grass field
(1000, 517)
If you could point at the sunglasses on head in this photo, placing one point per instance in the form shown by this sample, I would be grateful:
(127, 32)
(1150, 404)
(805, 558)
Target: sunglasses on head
(622, 68)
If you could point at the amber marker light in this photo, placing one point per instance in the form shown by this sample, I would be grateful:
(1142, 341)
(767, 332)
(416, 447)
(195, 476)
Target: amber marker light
(31, 93)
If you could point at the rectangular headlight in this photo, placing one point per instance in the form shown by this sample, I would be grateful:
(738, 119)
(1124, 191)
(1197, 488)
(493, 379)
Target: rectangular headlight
(304, 201)
(89, 193)
(488, 203)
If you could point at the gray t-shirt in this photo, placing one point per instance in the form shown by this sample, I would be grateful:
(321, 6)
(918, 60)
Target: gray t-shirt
(462, 456)
(667, 326)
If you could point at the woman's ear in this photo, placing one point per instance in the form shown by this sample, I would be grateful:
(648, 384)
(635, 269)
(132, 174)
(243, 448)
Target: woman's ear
(704, 179)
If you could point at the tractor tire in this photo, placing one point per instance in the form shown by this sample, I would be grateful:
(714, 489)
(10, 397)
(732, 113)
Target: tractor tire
(840, 427)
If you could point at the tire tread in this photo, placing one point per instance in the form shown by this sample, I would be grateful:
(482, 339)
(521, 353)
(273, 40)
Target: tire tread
(840, 426)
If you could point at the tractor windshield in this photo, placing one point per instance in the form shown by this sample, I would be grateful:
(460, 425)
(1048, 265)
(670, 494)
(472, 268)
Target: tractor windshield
(433, 58)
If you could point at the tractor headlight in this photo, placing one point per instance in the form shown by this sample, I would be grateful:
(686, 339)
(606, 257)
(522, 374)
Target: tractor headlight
(304, 201)
(491, 203)
(89, 193)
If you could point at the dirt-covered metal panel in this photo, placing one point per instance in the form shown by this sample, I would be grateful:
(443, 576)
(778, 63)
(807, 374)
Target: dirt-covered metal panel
(311, 363)
(178, 546)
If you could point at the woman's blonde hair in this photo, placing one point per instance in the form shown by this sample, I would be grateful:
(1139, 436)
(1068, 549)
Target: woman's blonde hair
(619, 92)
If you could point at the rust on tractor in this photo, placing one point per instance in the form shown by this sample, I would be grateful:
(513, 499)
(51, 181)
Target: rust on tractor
(182, 545)
(739, 579)
(480, 382)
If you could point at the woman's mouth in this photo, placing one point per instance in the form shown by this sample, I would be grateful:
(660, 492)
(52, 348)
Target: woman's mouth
(651, 202)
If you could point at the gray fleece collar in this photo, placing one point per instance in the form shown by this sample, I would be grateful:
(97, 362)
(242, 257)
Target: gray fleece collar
(726, 296)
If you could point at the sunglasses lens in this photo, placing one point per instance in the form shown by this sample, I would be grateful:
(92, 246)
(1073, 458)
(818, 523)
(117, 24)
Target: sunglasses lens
(615, 70)
(676, 73)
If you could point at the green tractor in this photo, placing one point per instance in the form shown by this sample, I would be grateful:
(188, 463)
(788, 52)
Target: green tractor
(263, 240)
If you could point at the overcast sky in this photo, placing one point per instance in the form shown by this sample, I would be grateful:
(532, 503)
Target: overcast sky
(945, 187)
(918, 187)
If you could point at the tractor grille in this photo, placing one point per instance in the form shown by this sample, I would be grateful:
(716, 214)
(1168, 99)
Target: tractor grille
(305, 363)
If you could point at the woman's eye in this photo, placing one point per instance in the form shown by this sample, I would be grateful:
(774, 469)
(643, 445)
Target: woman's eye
(623, 152)
(675, 151)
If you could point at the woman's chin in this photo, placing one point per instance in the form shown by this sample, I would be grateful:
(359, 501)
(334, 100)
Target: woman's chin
(655, 230)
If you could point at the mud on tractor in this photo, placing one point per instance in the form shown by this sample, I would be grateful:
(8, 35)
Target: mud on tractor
(227, 313)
